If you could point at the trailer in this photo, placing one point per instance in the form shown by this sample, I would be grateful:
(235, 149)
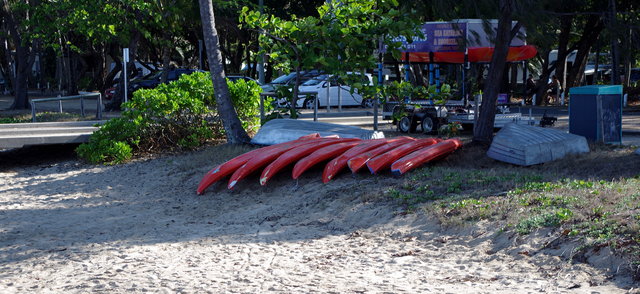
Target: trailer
(459, 42)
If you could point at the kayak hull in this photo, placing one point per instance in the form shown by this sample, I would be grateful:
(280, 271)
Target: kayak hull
(357, 162)
(293, 155)
(337, 164)
(263, 158)
(385, 160)
(321, 155)
(424, 155)
(227, 168)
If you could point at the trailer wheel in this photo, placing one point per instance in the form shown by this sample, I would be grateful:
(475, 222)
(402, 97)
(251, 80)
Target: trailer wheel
(404, 125)
(429, 125)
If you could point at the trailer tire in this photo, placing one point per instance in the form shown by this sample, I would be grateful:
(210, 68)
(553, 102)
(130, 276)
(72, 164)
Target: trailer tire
(429, 124)
(407, 124)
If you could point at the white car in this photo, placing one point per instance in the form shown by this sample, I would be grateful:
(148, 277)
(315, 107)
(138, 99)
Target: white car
(320, 84)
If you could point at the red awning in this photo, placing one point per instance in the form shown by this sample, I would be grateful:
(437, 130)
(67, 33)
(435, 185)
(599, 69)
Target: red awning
(476, 54)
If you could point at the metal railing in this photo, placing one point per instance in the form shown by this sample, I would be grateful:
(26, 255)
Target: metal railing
(60, 99)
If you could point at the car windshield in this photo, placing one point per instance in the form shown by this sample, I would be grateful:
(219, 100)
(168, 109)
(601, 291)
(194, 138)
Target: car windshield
(154, 76)
(284, 79)
(315, 81)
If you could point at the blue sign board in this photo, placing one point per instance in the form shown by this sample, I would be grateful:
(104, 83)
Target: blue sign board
(438, 37)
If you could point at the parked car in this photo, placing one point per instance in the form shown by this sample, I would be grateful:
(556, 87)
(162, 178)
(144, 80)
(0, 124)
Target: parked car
(234, 78)
(155, 79)
(150, 81)
(290, 79)
(336, 85)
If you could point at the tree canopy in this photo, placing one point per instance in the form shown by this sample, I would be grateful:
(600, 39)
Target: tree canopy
(77, 45)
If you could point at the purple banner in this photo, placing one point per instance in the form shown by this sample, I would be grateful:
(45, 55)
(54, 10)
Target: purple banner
(438, 37)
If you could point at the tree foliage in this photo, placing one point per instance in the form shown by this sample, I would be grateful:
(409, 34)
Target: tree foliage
(342, 37)
(181, 114)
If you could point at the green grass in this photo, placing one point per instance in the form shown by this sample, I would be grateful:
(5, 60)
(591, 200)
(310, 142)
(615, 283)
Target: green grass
(593, 199)
(42, 117)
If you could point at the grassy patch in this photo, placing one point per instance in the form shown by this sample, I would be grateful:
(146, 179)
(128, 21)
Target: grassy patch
(594, 198)
(41, 117)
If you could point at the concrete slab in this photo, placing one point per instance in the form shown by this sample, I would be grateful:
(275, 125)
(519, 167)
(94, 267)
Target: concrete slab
(19, 135)
(529, 145)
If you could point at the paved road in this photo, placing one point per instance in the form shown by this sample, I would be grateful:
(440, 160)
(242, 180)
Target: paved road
(364, 117)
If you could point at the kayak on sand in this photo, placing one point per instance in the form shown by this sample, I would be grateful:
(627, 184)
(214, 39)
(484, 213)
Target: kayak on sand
(294, 155)
(385, 160)
(424, 155)
(357, 162)
(233, 164)
(321, 155)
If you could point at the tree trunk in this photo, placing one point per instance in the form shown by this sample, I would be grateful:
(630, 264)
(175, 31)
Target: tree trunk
(268, 70)
(72, 86)
(21, 80)
(563, 43)
(23, 61)
(483, 130)
(588, 38)
(232, 125)
(166, 60)
(5, 62)
(615, 54)
(627, 58)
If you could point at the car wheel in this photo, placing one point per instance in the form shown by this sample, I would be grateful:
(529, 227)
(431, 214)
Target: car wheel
(429, 125)
(404, 125)
(280, 103)
(367, 103)
(309, 103)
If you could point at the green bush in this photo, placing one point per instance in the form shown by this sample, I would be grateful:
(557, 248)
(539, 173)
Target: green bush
(181, 114)
(246, 99)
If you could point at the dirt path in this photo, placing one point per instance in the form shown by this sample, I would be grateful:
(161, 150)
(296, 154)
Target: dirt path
(67, 227)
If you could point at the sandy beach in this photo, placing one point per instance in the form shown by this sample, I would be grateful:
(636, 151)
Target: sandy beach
(69, 227)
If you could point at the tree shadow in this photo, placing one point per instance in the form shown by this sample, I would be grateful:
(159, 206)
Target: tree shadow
(61, 211)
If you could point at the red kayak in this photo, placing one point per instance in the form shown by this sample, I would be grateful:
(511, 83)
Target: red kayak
(337, 164)
(424, 155)
(357, 162)
(233, 164)
(294, 155)
(384, 160)
(263, 158)
(321, 155)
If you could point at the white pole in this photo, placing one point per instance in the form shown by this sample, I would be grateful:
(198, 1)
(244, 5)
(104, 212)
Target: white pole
(328, 93)
(533, 100)
(125, 60)
(624, 100)
(340, 97)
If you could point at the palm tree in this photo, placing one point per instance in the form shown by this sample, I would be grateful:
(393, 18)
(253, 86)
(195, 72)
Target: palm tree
(232, 125)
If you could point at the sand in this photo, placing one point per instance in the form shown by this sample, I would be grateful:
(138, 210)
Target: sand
(69, 227)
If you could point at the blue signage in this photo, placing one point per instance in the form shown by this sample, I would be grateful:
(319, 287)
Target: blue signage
(438, 37)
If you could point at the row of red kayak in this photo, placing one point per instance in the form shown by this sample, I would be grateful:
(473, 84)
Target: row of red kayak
(400, 154)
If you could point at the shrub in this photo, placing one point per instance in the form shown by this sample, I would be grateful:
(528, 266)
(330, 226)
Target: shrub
(246, 99)
(181, 114)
